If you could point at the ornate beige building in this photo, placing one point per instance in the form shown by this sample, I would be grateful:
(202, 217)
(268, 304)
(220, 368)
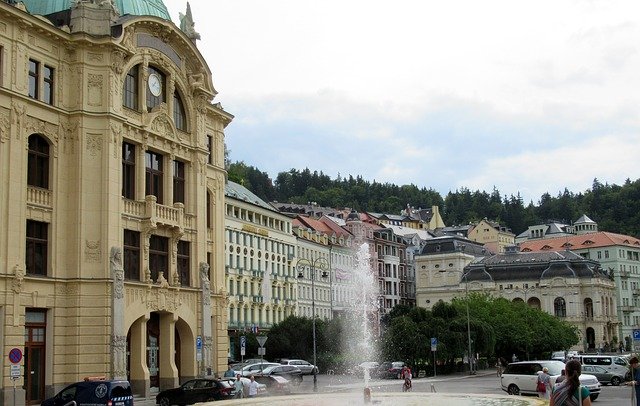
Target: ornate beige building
(112, 198)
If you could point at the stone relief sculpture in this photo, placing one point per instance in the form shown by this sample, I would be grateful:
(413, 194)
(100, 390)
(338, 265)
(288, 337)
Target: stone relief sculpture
(206, 285)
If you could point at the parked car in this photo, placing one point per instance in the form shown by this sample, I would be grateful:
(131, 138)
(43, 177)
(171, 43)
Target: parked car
(252, 369)
(604, 376)
(290, 372)
(306, 367)
(615, 364)
(96, 391)
(390, 370)
(276, 385)
(194, 391)
(370, 366)
(520, 378)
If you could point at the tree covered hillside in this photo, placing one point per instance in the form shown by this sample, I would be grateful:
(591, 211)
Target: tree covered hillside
(615, 208)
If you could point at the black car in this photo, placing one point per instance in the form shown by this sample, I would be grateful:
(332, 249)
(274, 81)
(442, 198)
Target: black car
(194, 391)
(390, 370)
(95, 392)
(292, 373)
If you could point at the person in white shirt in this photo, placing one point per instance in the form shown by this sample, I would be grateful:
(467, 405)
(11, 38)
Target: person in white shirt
(253, 387)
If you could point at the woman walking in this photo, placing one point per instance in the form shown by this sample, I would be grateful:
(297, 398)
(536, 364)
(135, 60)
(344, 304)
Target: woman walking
(569, 392)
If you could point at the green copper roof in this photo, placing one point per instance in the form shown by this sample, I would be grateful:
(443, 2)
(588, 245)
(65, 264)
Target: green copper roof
(134, 7)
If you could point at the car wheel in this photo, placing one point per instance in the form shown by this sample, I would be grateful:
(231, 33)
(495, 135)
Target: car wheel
(594, 396)
(615, 381)
(399, 375)
(513, 390)
(164, 402)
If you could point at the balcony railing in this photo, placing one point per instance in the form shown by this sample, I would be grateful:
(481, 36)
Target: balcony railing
(172, 216)
(39, 197)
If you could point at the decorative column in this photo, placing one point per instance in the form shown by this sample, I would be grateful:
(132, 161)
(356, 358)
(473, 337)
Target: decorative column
(206, 365)
(118, 333)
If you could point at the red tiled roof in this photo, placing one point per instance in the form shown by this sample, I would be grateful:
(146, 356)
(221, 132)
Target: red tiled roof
(314, 224)
(576, 242)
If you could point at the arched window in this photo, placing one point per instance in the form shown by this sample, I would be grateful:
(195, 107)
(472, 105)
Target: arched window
(130, 91)
(38, 170)
(588, 309)
(179, 116)
(560, 307)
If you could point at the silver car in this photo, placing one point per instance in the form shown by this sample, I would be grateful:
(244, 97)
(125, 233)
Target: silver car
(304, 366)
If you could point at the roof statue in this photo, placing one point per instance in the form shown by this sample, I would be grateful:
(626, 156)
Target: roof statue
(187, 25)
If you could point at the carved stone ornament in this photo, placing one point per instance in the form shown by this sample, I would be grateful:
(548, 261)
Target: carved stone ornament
(18, 280)
(162, 299)
(118, 349)
(92, 251)
(94, 144)
(206, 285)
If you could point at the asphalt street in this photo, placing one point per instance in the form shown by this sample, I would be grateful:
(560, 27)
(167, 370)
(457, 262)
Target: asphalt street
(484, 383)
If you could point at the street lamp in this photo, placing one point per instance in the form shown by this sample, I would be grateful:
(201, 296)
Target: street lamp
(323, 264)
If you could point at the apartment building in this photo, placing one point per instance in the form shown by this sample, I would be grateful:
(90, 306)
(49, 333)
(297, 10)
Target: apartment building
(111, 249)
(260, 275)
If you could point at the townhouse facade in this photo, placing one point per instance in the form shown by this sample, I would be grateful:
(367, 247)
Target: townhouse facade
(259, 264)
(111, 249)
(494, 236)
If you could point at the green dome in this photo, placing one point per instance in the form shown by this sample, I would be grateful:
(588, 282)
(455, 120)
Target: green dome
(133, 7)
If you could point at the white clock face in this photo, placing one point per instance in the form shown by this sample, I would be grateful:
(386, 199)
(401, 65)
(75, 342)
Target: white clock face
(155, 85)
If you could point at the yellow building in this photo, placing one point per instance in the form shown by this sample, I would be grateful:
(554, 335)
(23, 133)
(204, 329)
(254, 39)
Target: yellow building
(494, 236)
(112, 198)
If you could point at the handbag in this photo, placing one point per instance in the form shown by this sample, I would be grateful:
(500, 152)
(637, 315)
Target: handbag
(541, 386)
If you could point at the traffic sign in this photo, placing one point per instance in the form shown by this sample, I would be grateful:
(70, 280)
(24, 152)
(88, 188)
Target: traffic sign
(16, 371)
(636, 334)
(243, 342)
(15, 355)
(261, 340)
(434, 344)
(199, 342)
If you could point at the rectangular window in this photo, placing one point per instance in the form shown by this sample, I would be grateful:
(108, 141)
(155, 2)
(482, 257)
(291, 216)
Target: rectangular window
(34, 78)
(153, 165)
(131, 255)
(47, 85)
(36, 250)
(183, 263)
(178, 181)
(210, 148)
(158, 256)
(130, 94)
(128, 170)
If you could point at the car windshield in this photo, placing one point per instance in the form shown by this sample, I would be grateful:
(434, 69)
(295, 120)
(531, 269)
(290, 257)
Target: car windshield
(397, 364)
(555, 369)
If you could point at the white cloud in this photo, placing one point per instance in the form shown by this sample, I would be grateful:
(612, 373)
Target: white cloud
(439, 94)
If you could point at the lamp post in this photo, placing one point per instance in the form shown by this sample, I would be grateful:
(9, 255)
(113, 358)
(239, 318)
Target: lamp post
(323, 264)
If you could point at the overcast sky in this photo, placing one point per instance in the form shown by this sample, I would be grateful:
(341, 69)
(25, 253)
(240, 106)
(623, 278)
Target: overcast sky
(529, 97)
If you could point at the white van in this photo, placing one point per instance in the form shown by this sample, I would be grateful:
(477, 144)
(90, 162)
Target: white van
(613, 363)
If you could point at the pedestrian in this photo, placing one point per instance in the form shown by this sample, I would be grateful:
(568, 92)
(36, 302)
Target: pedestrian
(253, 387)
(499, 367)
(635, 381)
(544, 384)
(229, 373)
(621, 347)
(569, 392)
(514, 358)
(239, 387)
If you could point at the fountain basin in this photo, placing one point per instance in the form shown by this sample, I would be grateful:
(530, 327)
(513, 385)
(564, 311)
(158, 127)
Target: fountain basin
(389, 399)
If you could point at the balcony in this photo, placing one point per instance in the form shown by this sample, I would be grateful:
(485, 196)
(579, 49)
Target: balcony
(624, 274)
(626, 309)
(635, 292)
(39, 197)
(156, 213)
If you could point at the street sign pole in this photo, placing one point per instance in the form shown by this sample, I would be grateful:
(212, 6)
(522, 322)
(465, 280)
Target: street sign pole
(261, 350)
(434, 347)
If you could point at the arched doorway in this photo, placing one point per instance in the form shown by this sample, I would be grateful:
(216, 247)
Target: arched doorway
(534, 303)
